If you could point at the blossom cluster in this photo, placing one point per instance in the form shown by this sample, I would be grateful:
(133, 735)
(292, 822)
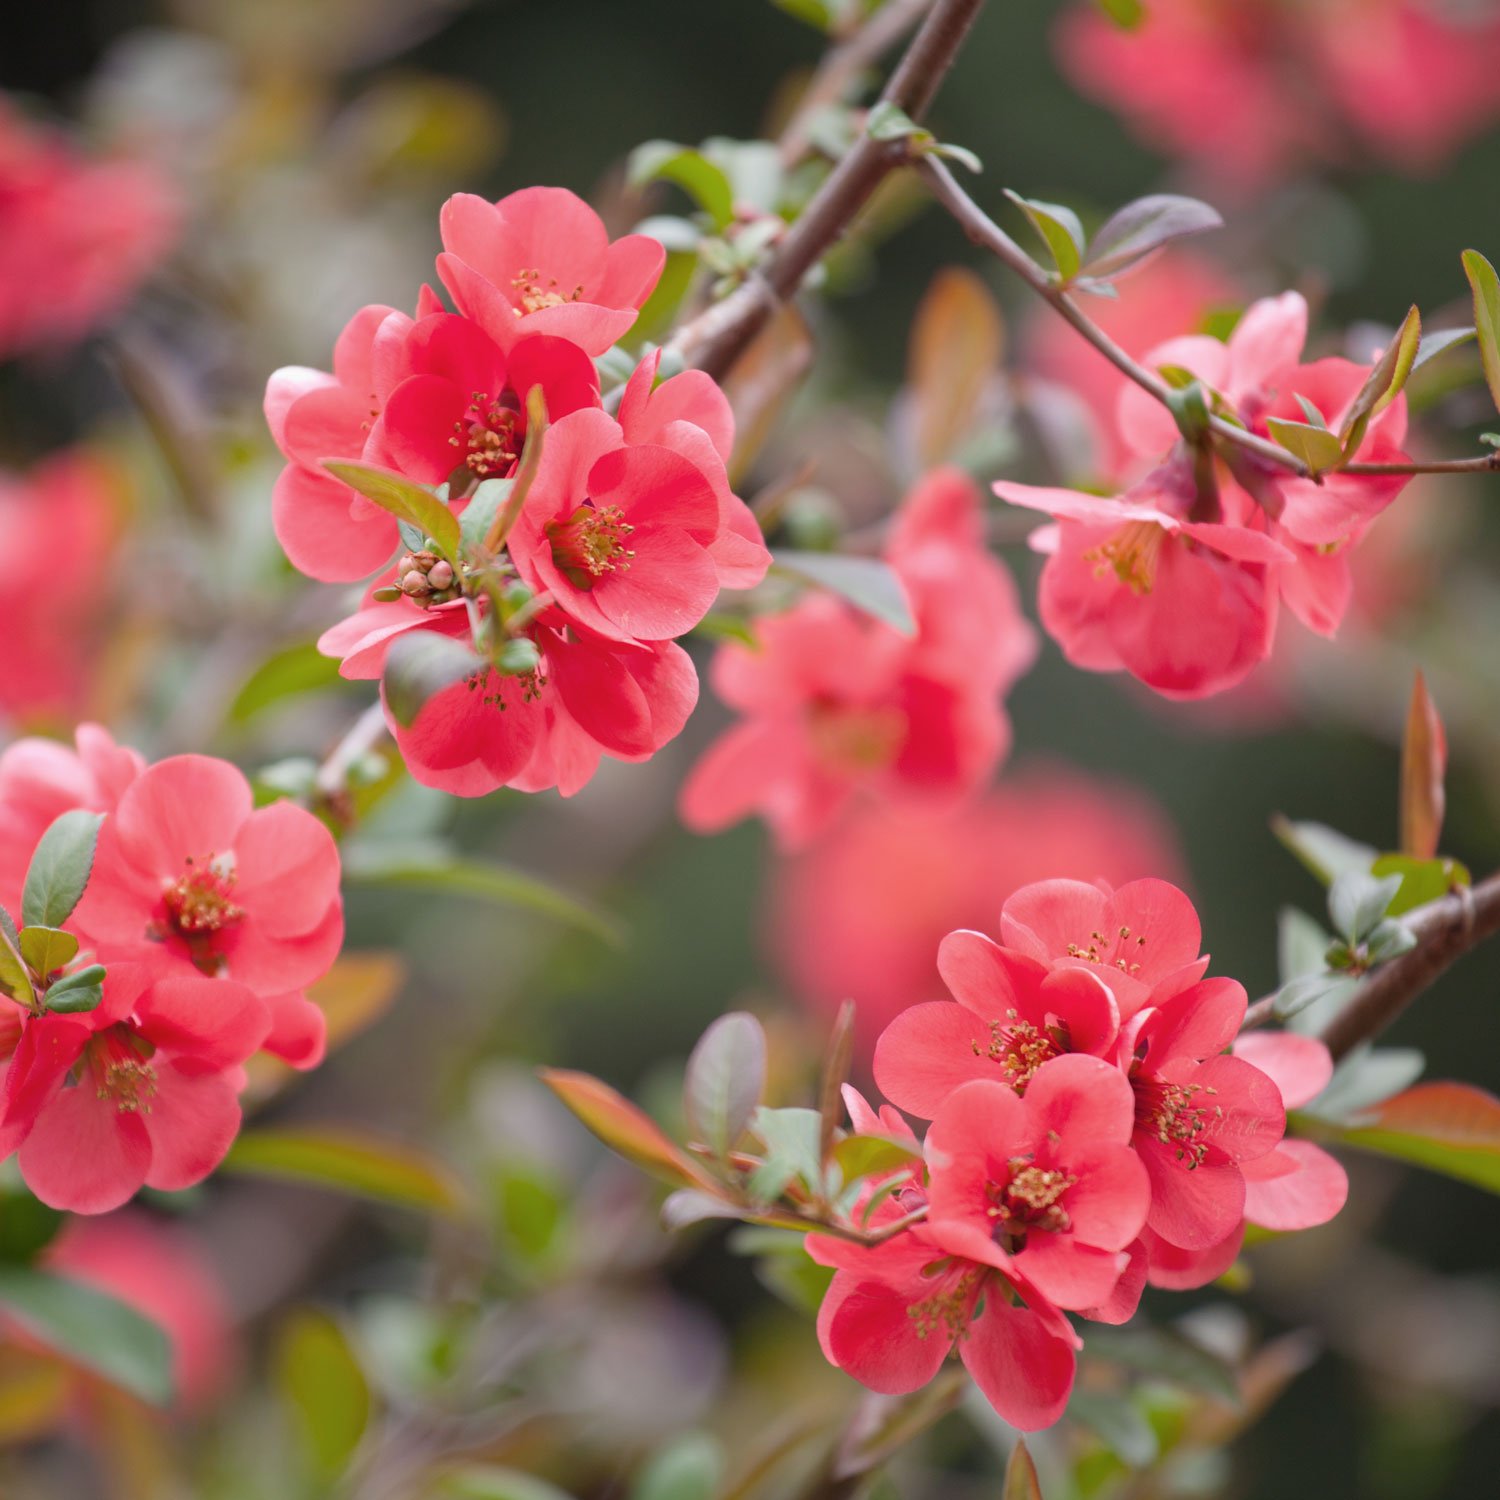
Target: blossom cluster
(129, 1016)
(594, 556)
(1179, 578)
(1097, 1124)
(1252, 87)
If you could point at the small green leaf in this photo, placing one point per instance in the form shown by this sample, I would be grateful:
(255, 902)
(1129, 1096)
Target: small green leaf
(323, 1388)
(485, 504)
(725, 1078)
(1383, 384)
(1324, 851)
(349, 1161)
(290, 673)
(1422, 880)
(372, 864)
(15, 979)
(703, 181)
(526, 470)
(60, 869)
(1141, 228)
(1296, 995)
(1317, 447)
(874, 1155)
(792, 1139)
(1164, 1353)
(77, 993)
(420, 665)
(866, 582)
(1300, 944)
(47, 949)
(1439, 340)
(1357, 901)
(889, 122)
(1486, 288)
(1126, 14)
(689, 1468)
(1060, 228)
(91, 1329)
(411, 503)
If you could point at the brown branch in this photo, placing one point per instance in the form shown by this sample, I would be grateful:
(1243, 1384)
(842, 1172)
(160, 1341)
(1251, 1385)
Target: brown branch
(1445, 930)
(718, 336)
(1485, 463)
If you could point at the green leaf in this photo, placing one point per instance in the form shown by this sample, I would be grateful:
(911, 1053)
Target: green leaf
(705, 183)
(1296, 995)
(1021, 1482)
(1126, 14)
(1141, 228)
(1166, 1354)
(90, 1329)
(1118, 1423)
(1383, 384)
(489, 1483)
(870, 1155)
(419, 666)
(1300, 944)
(793, 1142)
(689, 1468)
(1358, 900)
(725, 1078)
(1324, 851)
(1317, 447)
(47, 949)
(77, 993)
(1486, 287)
(526, 470)
(688, 1206)
(485, 504)
(290, 673)
(866, 582)
(889, 122)
(372, 864)
(323, 1388)
(15, 980)
(1438, 340)
(349, 1161)
(1422, 880)
(1059, 227)
(417, 506)
(60, 869)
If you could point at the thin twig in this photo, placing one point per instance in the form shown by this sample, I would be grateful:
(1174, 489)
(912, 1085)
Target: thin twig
(363, 735)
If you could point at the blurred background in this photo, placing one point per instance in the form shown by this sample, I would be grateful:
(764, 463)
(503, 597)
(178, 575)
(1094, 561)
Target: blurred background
(290, 158)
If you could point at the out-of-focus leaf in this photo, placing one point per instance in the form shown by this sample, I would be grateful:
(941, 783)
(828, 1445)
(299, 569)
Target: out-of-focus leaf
(1383, 384)
(34, 1393)
(357, 991)
(1422, 880)
(372, 864)
(1437, 340)
(1368, 1075)
(1452, 1128)
(419, 666)
(1118, 1423)
(349, 1161)
(722, 627)
(1324, 851)
(957, 341)
(624, 1127)
(1358, 900)
(835, 1074)
(489, 1483)
(1140, 228)
(1424, 764)
(27, 1225)
(725, 1078)
(887, 1424)
(405, 500)
(1300, 944)
(1317, 447)
(1021, 1482)
(792, 1140)
(287, 674)
(60, 868)
(1486, 288)
(661, 308)
(687, 1206)
(1059, 228)
(763, 381)
(1126, 14)
(90, 1329)
(689, 1468)
(703, 181)
(531, 1211)
(1165, 1354)
(47, 948)
(866, 1155)
(866, 582)
(323, 1389)
(480, 514)
(15, 981)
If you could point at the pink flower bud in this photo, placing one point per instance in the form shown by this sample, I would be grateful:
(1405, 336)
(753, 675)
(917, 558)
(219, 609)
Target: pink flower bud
(440, 575)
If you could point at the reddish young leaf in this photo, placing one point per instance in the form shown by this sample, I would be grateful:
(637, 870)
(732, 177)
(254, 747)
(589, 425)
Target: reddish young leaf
(624, 1128)
(956, 344)
(1453, 1128)
(1424, 760)
(1021, 1482)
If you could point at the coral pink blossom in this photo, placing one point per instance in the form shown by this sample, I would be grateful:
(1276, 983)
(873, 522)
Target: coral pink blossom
(1199, 1114)
(588, 698)
(835, 701)
(893, 1313)
(77, 237)
(191, 877)
(1135, 938)
(861, 913)
(65, 506)
(1010, 1016)
(162, 1271)
(1044, 1183)
(540, 261)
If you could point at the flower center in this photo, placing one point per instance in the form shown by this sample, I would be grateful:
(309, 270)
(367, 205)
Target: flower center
(1021, 1048)
(201, 900)
(590, 543)
(491, 434)
(1114, 952)
(1132, 552)
(534, 295)
(1030, 1200)
(1167, 1111)
(493, 686)
(948, 1310)
(122, 1076)
(855, 739)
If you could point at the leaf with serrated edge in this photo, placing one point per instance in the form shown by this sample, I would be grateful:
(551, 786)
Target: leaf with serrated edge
(1141, 228)
(60, 868)
(725, 1078)
(1486, 287)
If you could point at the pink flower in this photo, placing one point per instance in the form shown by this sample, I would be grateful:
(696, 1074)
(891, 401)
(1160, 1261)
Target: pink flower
(893, 1313)
(861, 913)
(77, 237)
(65, 506)
(1200, 1114)
(835, 701)
(190, 877)
(540, 261)
(1045, 1182)
(162, 1271)
(588, 697)
(1009, 1018)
